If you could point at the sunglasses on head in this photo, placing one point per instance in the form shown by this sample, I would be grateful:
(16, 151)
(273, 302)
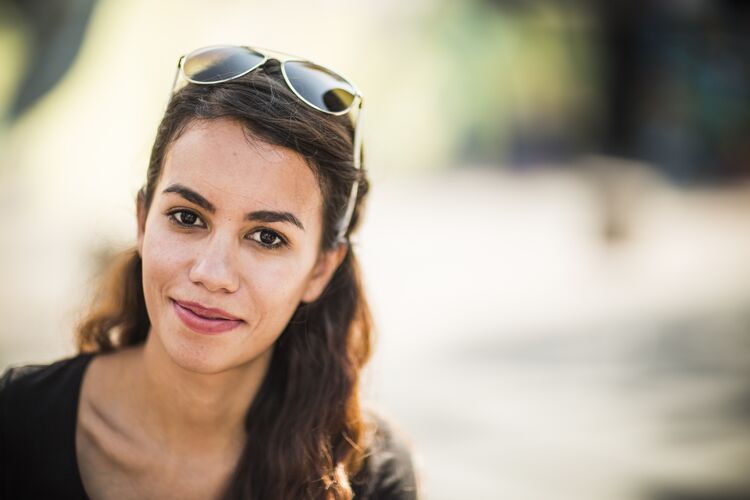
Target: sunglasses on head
(317, 86)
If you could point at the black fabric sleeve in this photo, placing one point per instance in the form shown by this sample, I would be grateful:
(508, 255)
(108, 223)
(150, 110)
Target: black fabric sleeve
(4, 380)
(38, 405)
(388, 472)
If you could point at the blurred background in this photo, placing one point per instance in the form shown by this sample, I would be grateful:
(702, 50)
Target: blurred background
(556, 246)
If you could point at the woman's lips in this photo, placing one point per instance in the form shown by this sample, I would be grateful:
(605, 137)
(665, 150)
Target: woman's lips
(204, 320)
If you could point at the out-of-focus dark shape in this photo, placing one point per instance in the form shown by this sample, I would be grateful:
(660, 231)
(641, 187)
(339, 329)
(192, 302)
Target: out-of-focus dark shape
(676, 79)
(663, 82)
(56, 29)
(720, 494)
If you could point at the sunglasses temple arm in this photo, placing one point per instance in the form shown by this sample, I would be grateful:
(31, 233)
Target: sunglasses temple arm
(358, 138)
(174, 80)
(344, 226)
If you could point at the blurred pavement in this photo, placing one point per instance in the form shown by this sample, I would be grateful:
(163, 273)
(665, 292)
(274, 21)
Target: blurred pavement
(529, 357)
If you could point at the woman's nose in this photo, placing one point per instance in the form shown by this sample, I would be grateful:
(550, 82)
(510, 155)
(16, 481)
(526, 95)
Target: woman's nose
(215, 266)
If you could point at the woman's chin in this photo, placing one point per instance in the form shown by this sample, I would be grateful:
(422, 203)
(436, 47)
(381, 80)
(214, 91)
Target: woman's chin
(207, 357)
(205, 365)
(197, 357)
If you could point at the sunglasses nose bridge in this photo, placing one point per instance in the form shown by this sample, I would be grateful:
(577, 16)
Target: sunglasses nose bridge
(272, 63)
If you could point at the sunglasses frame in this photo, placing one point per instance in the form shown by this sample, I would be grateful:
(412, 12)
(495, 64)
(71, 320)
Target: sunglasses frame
(282, 58)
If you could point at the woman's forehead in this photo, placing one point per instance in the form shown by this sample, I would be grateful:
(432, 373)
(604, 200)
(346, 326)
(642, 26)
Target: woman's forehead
(222, 162)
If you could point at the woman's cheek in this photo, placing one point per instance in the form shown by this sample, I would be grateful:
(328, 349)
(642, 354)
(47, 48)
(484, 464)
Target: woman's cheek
(280, 279)
(166, 259)
(167, 246)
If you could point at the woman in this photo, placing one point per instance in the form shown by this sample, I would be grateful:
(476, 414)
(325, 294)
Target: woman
(222, 358)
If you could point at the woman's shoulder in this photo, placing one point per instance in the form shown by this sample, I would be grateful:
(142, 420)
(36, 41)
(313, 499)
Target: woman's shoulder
(38, 405)
(31, 381)
(388, 471)
(30, 393)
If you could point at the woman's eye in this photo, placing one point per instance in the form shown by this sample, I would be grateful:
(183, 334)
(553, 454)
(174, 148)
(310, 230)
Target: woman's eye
(186, 218)
(267, 238)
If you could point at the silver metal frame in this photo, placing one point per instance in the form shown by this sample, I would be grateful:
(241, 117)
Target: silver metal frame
(344, 224)
(283, 58)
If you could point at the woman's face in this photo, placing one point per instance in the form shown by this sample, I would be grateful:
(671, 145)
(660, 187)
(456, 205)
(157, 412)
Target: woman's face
(230, 246)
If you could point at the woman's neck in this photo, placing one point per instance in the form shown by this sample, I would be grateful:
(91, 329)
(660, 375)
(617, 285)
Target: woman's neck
(187, 411)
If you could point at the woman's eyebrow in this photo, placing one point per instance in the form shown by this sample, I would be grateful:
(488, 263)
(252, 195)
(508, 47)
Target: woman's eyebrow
(272, 216)
(190, 196)
(267, 216)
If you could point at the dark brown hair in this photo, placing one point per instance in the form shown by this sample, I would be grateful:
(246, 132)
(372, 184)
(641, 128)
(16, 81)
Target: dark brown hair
(308, 431)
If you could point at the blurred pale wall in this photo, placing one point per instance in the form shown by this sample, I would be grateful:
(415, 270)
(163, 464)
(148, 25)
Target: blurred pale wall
(527, 351)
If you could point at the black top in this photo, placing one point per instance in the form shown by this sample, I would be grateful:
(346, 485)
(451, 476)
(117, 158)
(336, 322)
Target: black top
(38, 413)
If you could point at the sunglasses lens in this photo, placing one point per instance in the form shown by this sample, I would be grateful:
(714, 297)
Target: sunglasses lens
(216, 64)
(320, 86)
